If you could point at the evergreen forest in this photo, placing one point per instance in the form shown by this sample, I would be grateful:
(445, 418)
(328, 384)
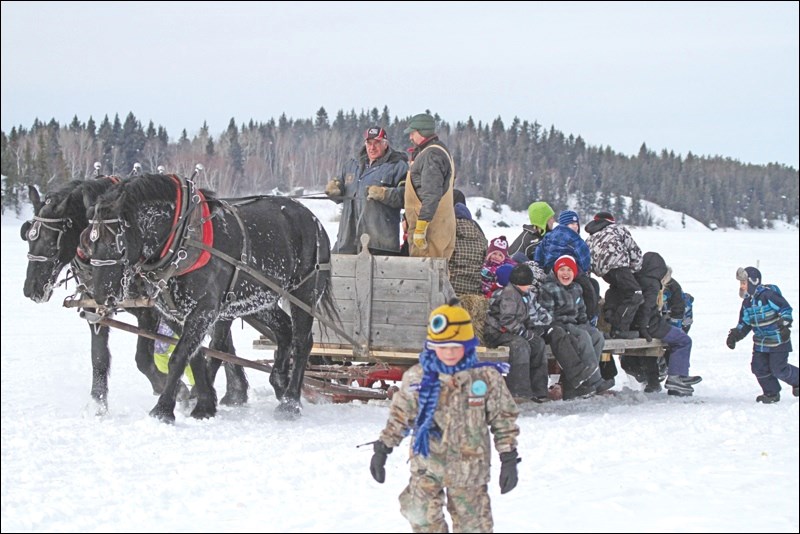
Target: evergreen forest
(515, 164)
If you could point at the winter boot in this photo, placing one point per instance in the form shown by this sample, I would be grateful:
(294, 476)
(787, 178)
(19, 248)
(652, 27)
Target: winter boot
(691, 380)
(676, 386)
(604, 385)
(796, 391)
(584, 391)
(653, 385)
(768, 399)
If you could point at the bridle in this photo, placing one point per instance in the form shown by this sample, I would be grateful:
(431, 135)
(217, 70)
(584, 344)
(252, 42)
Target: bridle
(33, 230)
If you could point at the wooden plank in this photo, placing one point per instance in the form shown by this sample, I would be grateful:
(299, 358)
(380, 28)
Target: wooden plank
(362, 318)
(402, 337)
(385, 289)
(387, 312)
(406, 268)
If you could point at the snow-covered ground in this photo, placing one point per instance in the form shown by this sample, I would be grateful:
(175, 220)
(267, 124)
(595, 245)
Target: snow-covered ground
(715, 462)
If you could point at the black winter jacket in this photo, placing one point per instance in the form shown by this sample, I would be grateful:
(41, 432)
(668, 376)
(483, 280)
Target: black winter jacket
(649, 277)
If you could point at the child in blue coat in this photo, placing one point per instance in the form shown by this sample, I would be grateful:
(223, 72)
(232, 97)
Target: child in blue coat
(769, 316)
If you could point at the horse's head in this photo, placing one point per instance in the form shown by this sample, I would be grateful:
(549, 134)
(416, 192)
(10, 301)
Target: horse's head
(52, 235)
(126, 228)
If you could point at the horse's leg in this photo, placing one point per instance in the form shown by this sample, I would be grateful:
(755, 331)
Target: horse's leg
(236, 381)
(148, 321)
(276, 324)
(101, 363)
(302, 340)
(194, 330)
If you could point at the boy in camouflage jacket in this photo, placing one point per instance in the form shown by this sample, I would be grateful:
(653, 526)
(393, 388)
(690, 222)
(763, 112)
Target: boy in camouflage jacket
(450, 401)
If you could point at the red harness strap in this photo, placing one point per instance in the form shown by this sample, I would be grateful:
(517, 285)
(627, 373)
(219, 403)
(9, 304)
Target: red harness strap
(207, 230)
(208, 234)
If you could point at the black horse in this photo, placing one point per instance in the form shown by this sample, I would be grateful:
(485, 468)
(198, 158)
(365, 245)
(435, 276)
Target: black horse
(53, 237)
(209, 260)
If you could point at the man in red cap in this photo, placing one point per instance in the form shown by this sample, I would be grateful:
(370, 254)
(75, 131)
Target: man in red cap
(371, 189)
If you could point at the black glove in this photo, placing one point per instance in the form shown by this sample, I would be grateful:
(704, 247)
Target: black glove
(378, 461)
(508, 471)
(733, 336)
(785, 331)
(547, 335)
(645, 333)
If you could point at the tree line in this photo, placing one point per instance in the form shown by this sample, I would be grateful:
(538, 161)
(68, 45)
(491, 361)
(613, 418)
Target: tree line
(515, 164)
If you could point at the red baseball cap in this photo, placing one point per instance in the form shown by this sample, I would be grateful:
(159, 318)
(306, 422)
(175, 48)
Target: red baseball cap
(375, 132)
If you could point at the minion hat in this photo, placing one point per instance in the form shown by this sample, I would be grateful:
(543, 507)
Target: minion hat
(450, 325)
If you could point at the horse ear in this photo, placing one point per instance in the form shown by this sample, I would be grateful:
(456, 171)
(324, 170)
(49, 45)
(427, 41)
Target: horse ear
(36, 200)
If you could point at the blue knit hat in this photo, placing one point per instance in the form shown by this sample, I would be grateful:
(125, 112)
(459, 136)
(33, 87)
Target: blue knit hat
(503, 273)
(568, 216)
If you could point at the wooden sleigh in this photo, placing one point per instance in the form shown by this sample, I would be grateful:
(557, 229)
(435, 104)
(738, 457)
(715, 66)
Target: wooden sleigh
(384, 303)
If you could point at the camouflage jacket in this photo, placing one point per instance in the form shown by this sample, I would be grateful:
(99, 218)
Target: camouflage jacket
(612, 246)
(463, 456)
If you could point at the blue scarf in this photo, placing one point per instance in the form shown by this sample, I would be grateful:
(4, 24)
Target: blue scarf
(430, 387)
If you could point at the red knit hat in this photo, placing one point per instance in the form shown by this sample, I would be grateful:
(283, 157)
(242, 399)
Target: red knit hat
(566, 261)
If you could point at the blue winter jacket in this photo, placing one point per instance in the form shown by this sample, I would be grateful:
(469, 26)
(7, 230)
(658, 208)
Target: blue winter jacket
(765, 312)
(559, 241)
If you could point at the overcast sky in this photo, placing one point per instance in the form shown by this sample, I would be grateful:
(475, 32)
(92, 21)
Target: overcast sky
(713, 78)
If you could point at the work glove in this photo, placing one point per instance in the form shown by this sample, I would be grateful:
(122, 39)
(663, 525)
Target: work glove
(508, 470)
(376, 192)
(733, 336)
(420, 233)
(334, 188)
(376, 465)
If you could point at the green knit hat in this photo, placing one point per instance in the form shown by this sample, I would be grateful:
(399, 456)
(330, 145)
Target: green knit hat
(423, 123)
(539, 213)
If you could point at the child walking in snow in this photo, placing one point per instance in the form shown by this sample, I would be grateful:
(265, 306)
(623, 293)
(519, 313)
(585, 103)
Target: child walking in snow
(450, 401)
(769, 316)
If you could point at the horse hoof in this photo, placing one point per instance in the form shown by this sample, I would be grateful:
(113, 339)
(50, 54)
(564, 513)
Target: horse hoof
(203, 413)
(236, 398)
(162, 415)
(288, 411)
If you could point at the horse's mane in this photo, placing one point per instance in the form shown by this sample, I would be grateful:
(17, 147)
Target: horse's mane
(147, 188)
